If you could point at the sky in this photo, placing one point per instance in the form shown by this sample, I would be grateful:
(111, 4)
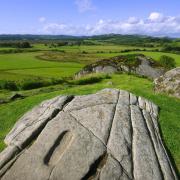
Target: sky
(90, 17)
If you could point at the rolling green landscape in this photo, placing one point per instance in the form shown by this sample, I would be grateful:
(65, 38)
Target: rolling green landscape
(47, 69)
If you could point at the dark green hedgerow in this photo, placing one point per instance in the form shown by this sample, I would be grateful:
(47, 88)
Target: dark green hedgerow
(28, 84)
(167, 62)
(91, 79)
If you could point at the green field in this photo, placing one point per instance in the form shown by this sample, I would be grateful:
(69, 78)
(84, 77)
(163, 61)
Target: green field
(49, 63)
(26, 64)
(91, 49)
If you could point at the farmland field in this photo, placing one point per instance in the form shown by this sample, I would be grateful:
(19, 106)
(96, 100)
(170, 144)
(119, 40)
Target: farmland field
(27, 64)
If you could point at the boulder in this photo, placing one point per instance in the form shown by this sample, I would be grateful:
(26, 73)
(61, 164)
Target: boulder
(16, 96)
(112, 134)
(2, 101)
(146, 69)
(136, 64)
(169, 83)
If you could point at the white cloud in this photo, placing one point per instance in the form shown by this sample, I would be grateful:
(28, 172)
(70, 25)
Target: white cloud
(42, 19)
(156, 24)
(155, 16)
(84, 5)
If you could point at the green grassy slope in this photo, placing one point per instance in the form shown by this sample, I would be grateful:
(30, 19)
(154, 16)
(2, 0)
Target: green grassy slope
(169, 114)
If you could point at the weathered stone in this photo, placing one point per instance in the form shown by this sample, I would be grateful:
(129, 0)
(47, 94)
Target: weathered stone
(164, 161)
(55, 153)
(34, 121)
(8, 154)
(108, 135)
(142, 66)
(145, 69)
(169, 83)
(16, 96)
(133, 99)
(2, 101)
(120, 140)
(97, 119)
(109, 83)
(146, 165)
(105, 69)
(105, 96)
(124, 97)
(112, 170)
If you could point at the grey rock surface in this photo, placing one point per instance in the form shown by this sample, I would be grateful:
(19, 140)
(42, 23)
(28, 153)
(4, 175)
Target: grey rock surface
(105, 69)
(169, 83)
(143, 67)
(108, 135)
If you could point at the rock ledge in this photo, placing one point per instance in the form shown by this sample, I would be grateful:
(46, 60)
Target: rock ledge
(108, 135)
(169, 83)
(137, 64)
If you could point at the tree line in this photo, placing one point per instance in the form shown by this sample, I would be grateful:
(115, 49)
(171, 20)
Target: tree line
(16, 44)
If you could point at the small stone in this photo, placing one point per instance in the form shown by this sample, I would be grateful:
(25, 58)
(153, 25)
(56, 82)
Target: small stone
(109, 83)
(16, 96)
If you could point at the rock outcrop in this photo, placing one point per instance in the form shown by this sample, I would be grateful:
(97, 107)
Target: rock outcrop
(108, 135)
(169, 83)
(136, 64)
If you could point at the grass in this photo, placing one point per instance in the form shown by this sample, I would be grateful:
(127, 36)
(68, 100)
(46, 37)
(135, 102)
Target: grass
(157, 55)
(169, 115)
(13, 66)
(65, 70)
(76, 55)
(24, 61)
(27, 64)
(20, 66)
(12, 76)
(89, 49)
(90, 79)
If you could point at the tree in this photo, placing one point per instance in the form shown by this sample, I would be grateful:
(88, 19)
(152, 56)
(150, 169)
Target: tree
(24, 45)
(167, 62)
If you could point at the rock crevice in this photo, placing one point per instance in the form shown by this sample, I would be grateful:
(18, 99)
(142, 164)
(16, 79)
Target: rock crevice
(108, 135)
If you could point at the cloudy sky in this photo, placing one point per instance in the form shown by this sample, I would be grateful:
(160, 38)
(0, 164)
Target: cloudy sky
(90, 17)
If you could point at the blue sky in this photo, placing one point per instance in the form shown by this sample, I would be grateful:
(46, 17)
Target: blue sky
(88, 17)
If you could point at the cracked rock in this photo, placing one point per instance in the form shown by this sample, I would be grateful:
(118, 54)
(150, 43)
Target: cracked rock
(169, 83)
(108, 135)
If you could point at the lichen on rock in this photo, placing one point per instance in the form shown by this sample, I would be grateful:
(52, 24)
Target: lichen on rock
(132, 63)
(169, 83)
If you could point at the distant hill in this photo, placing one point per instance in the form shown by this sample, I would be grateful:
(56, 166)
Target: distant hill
(35, 37)
(131, 39)
(107, 38)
